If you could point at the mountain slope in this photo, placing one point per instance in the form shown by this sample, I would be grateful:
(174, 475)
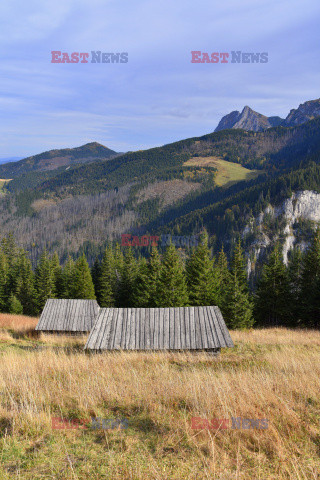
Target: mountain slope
(170, 189)
(229, 216)
(273, 149)
(54, 159)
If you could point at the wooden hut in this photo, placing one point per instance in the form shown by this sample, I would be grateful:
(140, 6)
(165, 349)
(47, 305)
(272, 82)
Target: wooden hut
(68, 316)
(183, 328)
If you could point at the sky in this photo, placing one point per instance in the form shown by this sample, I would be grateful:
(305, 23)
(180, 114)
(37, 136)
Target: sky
(158, 96)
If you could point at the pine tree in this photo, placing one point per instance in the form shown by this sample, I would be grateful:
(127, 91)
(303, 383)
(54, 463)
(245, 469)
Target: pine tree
(310, 290)
(107, 278)
(172, 284)
(200, 276)
(82, 285)
(271, 302)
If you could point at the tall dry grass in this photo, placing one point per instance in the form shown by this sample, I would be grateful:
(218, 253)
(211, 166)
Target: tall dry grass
(17, 323)
(272, 374)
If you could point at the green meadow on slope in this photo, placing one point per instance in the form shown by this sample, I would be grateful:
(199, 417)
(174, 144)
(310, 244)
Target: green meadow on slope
(227, 173)
(3, 183)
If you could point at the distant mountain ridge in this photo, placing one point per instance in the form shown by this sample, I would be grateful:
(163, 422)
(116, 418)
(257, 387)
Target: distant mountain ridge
(54, 159)
(10, 159)
(248, 119)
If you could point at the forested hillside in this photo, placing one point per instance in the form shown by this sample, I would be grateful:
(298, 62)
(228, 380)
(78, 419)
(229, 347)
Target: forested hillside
(180, 187)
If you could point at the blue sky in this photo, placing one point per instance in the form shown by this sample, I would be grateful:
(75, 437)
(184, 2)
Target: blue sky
(159, 96)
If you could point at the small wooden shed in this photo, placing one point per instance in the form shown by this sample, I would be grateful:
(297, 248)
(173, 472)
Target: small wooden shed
(68, 316)
(182, 328)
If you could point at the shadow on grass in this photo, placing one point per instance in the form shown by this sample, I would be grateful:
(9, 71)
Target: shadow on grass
(25, 334)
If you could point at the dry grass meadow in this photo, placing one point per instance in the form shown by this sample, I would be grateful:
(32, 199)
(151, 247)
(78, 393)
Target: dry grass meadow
(272, 374)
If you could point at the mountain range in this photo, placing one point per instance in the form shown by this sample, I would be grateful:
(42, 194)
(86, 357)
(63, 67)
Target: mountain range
(248, 119)
(75, 200)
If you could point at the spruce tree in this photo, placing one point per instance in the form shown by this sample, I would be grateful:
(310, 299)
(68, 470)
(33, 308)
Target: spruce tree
(14, 305)
(271, 301)
(67, 278)
(147, 283)
(44, 281)
(238, 312)
(172, 284)
(238, 308)
(128, 277)
(140, 292)
(107, 279)
(3, 280)
(57, 275)
(222, 278)
(295, 270)
(153, 280)
(82, 285)
(200, 275)
(118, 265)
(13, 272)
(238, 265)
(310, 290)
(95, 274)
(25, 291)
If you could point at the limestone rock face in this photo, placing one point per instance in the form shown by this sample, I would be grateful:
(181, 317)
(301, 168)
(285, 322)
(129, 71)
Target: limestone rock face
(248, 119)
(305, 112)
(301, 206)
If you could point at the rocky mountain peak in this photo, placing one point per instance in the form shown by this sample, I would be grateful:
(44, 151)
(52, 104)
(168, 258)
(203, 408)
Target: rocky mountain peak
(249, 119)
(305, 112)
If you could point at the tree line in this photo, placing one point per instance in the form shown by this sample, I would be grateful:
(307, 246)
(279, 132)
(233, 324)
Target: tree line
(284, 295)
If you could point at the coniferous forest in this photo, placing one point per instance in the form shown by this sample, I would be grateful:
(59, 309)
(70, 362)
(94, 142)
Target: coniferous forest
(283, 295)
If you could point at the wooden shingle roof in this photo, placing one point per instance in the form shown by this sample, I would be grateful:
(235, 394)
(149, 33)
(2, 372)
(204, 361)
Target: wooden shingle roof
(182, 328)
(68, 315)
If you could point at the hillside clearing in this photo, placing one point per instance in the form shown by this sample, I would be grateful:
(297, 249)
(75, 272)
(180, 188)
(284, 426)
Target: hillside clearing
(270, 374)
(227, 172)
(3, 182)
